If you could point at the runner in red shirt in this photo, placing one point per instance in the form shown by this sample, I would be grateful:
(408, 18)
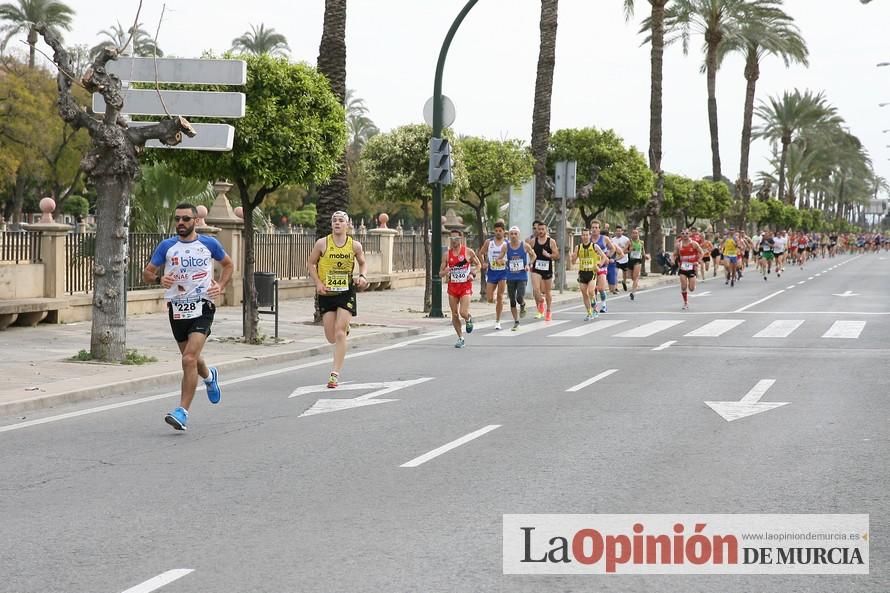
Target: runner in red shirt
(688, 253)
(459, 270)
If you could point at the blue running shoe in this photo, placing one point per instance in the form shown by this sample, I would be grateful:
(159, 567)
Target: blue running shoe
(212, 385)
(178, 418)
(470, 325)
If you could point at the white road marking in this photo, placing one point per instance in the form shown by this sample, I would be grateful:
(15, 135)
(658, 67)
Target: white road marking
(665, 346)
(817, 275)
(159, 581)
(810, 278)
(526, 329)
(589, 328)
(779, 329)
(322, 406)
(151, 398)
(790, 287)
(755, 303)
(591, 381)
(695, 295)
(449, 446)
(845, 329)
(648, 329)
(802, 282)
(718, 327)
(749, 405)
(758, 391)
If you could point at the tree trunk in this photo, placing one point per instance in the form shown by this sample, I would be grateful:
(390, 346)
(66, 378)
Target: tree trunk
(752, 74)
(18, 196)
(108, 339)
(543, 97)
(333, 195)
(655, 234)
(249, 316)
(711, 63)
(32, 47)
(782, 162)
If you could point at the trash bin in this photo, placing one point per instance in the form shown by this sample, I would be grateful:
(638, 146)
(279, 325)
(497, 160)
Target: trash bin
(265, 288)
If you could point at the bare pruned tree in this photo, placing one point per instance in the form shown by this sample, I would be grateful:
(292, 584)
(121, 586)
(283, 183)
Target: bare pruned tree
(112, 166)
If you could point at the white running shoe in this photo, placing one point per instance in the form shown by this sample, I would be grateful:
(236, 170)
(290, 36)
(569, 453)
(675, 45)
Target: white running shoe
(497, 325)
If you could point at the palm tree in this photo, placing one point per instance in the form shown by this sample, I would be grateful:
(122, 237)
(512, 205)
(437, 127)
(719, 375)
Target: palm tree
(260, 41)
(334, 195)
(142, 42)
(718, 21)
(25, 17)
(543, 96)
(783, 118)
(654, 24)
(360, 125)
(775, 35)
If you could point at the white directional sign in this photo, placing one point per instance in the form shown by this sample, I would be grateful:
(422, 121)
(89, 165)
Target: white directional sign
(213, 137)
(195, 71)
(322, 406)
(749, 405)
(188, 103)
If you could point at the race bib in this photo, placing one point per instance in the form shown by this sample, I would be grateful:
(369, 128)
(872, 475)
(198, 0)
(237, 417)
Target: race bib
(336, 282)
(517, 265)
(686, 266)
(636, 254)
(461, 274)
(496, 265)
(187, 309)
(587, 263)
(542, 265)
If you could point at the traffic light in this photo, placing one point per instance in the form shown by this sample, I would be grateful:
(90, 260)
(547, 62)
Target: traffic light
(440, 161)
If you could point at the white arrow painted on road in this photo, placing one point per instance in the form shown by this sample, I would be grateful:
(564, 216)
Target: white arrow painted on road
(749, 405)
(695, 295)
(849, 293)
(323, 406)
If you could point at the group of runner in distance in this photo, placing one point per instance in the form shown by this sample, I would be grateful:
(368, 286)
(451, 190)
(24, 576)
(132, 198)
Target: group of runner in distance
(506, 260)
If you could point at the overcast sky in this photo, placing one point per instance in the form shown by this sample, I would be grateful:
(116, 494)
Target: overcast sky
(602, 72)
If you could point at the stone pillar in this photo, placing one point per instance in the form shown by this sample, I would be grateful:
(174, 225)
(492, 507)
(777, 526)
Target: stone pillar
(228, 229)
(387, 247)
(52, 253)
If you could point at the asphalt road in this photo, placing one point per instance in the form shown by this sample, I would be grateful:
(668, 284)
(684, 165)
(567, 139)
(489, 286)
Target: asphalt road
(258, 497)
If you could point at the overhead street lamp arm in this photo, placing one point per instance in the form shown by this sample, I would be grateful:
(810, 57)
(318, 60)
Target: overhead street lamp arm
(882, 64)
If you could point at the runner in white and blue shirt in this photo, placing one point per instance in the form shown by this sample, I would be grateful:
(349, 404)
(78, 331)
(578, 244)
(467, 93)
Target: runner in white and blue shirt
(187, 260)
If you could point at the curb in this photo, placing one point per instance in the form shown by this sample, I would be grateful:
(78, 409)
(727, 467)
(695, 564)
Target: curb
(43, 402)
(93, 392)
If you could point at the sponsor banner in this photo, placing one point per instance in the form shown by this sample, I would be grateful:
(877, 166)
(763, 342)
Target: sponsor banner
(686, 544)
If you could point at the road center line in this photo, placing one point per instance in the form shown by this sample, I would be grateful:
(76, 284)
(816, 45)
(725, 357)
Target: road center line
(449, 446)
(159, 581)
(664, 346)
(591, 381)
(810, 278)
(790, 287)
(755, 303)
(802, 282)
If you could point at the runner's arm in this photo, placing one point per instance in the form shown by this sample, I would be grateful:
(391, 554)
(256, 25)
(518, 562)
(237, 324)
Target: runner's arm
(574, 257)
(604, 259)
(531, 255)
(359, 252)
(228, 268)
(554, 250)
(312, 264)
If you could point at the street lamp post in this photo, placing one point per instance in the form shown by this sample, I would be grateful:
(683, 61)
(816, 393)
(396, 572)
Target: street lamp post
(436, 222)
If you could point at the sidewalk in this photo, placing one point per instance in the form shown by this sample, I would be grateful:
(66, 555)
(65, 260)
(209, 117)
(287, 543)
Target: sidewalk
(36, 373)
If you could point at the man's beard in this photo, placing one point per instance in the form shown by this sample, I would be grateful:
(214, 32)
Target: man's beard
(184, 231)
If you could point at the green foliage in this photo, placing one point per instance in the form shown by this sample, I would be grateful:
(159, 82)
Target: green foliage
(82, 356)
(624, 181)
(757, 211)
(293, 132)
(396, 165)
(77, 206)
(135, 358)
(158, 191)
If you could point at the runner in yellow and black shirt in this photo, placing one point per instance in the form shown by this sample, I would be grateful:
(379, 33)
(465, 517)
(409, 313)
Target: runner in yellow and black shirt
(331, 264)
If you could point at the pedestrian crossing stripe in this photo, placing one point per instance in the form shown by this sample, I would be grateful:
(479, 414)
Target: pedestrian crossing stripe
(649, 329)
(715, 328)
(780, 328)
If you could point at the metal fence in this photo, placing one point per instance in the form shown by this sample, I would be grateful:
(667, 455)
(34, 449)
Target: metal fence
(80, 251)
(285, 254)
(408, 254)
(19, 247)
